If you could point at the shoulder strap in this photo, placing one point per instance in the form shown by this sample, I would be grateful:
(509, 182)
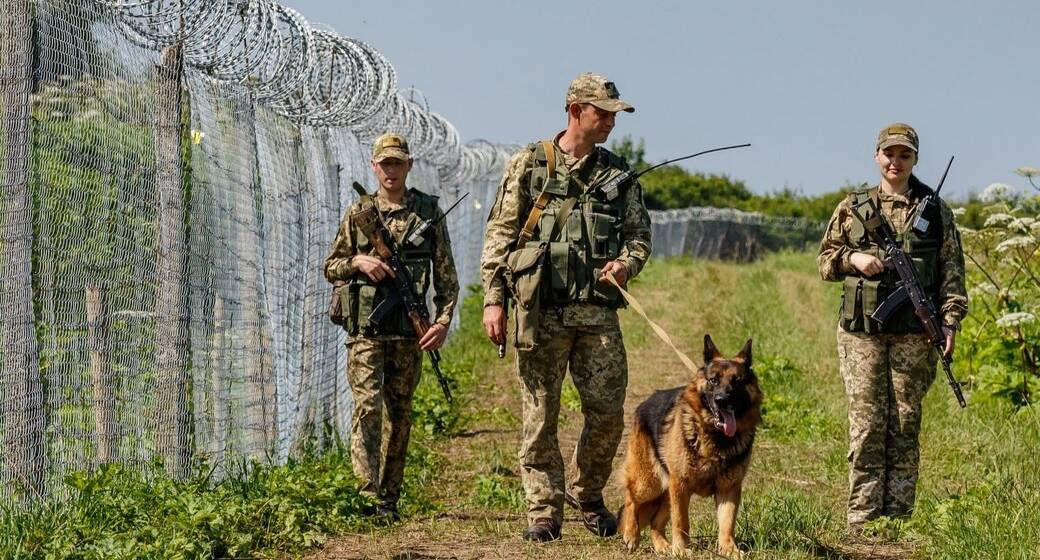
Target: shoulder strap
(543, 197)
(561, 218)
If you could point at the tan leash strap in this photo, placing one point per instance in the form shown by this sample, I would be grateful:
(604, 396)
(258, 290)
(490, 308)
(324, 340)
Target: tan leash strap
(657, 328)
(543, 198)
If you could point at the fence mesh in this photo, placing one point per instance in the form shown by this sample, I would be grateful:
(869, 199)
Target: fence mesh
(174, 172)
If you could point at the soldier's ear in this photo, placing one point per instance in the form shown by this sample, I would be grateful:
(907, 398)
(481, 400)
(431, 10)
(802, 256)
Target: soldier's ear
(710, 351)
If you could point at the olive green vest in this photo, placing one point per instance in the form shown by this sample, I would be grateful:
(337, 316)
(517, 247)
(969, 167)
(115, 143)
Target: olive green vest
(587, 239)
(360, 296)
(861, 296)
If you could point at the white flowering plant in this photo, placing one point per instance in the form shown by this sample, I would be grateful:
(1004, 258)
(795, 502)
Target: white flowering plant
(1000, 338)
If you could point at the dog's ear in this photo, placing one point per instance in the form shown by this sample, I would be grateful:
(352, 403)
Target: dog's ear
(745, 353)
(710, 352)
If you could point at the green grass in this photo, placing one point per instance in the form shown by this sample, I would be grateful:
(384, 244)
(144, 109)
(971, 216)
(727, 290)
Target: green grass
(126, 512)
(978, 496)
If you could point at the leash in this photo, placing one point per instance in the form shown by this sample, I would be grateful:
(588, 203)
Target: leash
(661, 333)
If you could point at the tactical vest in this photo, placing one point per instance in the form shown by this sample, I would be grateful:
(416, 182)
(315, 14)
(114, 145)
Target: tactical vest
(588, 239)
(861, 296)
(361, 295)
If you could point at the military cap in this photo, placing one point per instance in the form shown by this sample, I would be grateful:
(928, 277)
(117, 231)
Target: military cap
(897, 134)
(597, 90)
(390, 145)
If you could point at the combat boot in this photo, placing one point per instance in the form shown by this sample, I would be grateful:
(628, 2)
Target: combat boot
(387, 513)
(595, 515)
(542, 530)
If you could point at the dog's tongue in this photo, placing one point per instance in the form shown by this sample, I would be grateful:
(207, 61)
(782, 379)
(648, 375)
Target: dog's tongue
(729, 423)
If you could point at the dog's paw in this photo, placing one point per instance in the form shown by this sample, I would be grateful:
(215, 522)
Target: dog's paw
(679, 550)
(730, 550)
(631, 544)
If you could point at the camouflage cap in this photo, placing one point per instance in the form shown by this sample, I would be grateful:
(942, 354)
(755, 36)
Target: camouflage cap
(897, 134)
(597, 90)
(390, 145)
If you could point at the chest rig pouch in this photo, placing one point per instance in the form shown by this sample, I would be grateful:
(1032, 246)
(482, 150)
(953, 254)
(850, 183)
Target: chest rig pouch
(580, 229)
(361, 296)
(861, 296)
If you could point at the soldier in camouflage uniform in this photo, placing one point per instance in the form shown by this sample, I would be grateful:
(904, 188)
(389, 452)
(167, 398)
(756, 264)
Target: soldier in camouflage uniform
(888, 370)
(385, 359)
(565, 315)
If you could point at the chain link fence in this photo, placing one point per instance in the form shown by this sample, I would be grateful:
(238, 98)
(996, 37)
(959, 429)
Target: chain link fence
(174, 172)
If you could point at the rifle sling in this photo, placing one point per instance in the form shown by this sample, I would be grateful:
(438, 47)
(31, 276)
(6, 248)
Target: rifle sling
(543, 197)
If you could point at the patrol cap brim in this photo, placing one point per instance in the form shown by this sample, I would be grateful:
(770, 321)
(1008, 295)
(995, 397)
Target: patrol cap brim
(897, 141)
(391, 153)
(613, 105)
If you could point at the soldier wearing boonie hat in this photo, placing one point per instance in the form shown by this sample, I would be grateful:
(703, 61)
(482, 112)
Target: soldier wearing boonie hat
(887, 369)
(568, 321)
(385, 358)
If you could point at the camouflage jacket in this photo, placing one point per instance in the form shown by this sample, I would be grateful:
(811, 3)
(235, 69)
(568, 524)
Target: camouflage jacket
(400, 221)
(836, 248)
(513, 205)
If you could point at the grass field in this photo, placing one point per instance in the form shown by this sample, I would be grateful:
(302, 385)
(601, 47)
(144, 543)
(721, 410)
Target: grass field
(979, 490)
(978, 497)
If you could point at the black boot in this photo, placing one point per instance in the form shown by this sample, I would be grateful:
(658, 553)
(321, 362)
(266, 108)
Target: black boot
(387, 513)
(542, 530)
(595, 515)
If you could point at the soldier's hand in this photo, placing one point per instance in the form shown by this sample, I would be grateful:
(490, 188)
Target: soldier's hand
(619, 271)
(495, 323)
(868, 265)
(950, 337)
(372, 267)
(434, 337)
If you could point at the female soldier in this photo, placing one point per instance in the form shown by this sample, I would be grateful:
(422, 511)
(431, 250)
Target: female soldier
(888, 368)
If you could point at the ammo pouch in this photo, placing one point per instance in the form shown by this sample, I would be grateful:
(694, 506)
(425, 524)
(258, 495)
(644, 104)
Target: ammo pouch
(859, 299)
(861, 296)
(336, 307)
(525, 269)
(358, 298)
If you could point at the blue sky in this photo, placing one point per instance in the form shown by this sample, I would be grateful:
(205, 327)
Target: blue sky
(808, 83)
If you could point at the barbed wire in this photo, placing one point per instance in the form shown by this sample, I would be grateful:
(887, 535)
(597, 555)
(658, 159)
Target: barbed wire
(305, 73)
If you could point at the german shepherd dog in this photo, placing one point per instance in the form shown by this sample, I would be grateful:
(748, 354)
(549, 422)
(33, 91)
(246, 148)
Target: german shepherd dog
(691, 440)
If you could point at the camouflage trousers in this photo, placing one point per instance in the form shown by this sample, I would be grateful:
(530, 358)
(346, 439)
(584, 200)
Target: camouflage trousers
(595, 355)
(886, 377)
(383, 375)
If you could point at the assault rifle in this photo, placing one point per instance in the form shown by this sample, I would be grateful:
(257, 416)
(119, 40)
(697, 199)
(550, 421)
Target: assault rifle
(403, 293)
(908, 287)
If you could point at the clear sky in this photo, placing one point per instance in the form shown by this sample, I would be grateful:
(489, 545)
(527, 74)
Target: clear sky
(808, 83)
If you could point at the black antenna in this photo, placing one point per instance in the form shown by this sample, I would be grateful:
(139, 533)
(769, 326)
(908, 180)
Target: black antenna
(943, 180)
(649, 169)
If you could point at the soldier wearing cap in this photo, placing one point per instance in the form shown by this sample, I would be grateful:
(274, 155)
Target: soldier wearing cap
(385, 358)
(888, 369)
(553, 237)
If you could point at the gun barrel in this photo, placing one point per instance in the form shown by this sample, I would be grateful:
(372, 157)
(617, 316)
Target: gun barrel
(954, 384)
(435, 362)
